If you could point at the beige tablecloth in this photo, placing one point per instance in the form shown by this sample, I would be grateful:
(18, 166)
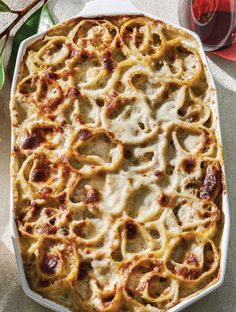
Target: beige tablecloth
(12, 298)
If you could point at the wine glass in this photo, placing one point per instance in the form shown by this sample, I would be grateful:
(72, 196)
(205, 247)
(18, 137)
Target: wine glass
(215, 23)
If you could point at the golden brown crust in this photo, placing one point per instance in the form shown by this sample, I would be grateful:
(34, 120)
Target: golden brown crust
(116, 166)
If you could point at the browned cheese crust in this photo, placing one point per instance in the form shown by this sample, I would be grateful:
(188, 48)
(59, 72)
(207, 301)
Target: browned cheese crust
(116, 166)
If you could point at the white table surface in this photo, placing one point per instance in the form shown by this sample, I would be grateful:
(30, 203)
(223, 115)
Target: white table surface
(12, 298)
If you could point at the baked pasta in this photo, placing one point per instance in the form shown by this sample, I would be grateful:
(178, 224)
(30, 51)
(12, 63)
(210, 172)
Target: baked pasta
(116, 166)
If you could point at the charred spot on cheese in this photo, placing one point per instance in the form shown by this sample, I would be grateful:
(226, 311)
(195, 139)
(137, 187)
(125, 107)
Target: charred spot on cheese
(52, 104)
(159, 174)
(45, 192)
(84, 268)
(92, 196)
(114, 103)
(64, 231)
(119, 42)
(49, 212)
(62, 201)
(127, 153)
(52, 221)
(69, 47)
(73, 92)
(39, 175)
(79, 229)
(48, 229)
(137, 39)
(84, 55)
(108, 61)
(127, 35)
(165, 200)
(45, 129)
(41, 172)
(211, 183)
(16, 149)
(130, 229)
(186, 273)
(79, 118)
(106, 137)
(50, 264)
(62, 198)
(63, 123)
(51, 75)
(188, 164)
(192, 260)
(208, 140)
(67, 74)
(84, 134)
(69, 217)
(100, 102)
(66, 171)
(37, 136)
(29, 228)
(33, 140)
(162, 279)
(51, 117)
(33, 203)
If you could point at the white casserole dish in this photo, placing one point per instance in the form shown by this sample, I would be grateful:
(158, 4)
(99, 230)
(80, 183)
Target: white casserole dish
(112, 8)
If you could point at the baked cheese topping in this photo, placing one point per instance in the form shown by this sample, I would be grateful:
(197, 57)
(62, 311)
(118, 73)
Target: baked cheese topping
(116, 166)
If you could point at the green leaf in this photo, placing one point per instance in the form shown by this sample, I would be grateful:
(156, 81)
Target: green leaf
(46, 20)
(2, 74)
(4, 7)
(39, 21)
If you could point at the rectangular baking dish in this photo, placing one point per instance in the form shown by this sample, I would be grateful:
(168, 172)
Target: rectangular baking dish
(112, 8)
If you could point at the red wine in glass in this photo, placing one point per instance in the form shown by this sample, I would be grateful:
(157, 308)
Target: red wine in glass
(215, 23)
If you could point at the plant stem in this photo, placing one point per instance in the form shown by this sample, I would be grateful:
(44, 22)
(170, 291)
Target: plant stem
(4, 44)
(19, 17)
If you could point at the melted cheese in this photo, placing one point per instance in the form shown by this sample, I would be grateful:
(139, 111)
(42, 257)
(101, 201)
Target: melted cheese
(116, 166)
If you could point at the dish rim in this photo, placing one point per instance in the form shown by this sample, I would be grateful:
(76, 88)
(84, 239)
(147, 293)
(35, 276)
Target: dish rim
(93, 9)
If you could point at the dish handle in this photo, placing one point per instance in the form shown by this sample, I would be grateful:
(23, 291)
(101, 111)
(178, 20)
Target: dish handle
(109, 7)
